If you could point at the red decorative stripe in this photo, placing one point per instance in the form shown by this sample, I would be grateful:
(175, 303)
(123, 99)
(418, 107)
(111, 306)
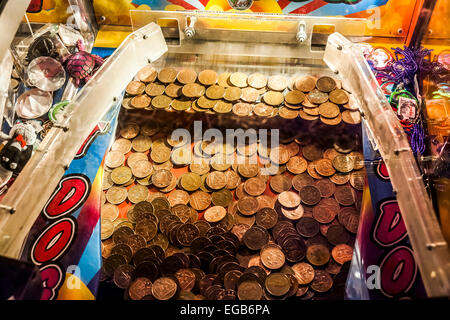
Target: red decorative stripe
(309, 7)
(184, 4)
(204, 2)
(283, 3)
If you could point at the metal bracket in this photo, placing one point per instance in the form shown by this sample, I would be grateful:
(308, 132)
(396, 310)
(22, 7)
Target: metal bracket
(10, 209)
(189, 31)
(301, 34)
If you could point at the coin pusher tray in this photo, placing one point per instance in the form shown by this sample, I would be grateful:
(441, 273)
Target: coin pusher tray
(248, 42)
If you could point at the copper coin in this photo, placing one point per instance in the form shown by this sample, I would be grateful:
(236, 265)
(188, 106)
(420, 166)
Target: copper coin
(263, 110)
(116, 195)
(147, 229)
(312, 170)
(345, 195)
(307, 227)
(303, 272)
(343, 163)
(216, 180)
(312, 152)
(273, 98)
(287, 113)
(155, 89)
(186, 279)
(317, 97)
(111, 263)
(250, 94)
(340, 178)
(255, 238)
(338, 96)
(215, 214)
(326, 210)
(357, 180)
(266, 218)
(279, 155)
(255, 186)
(311, 111)
(193, 90)
(137, 193)
(206, 103)
(333, 121)
(308, 104)
(248, 205)
(207, 77)
(280, 183)
(358, 160)
(272, 257)
(164, 288)
(305, 83)
(277, 83)
(329, 110)
(257, 80)
(130, 130)
(181, 104)
(297, 165)
(318, 254)
(342, 253)
(326, 84)
(293, 213)
(310, 195)
(250, 290)
(161, 178)
(322, 281)
(123, 276)
(222, 197)
(242, 109)
(330, 153)
(289, 199)
(351, 117)
(306, 116)
(173, 90)
(139, 288)
(277, 284)
(293, 106)
(349, 218)
(190, 181)
(147, 74)
(223, 79)
(123, 250)
(301, 180)
(167, 75)
(232, 94)
(114, 159)
(126, 103)
(238, 79)
(121, 145)
(233, 179)
(336, 234)
(186, 234)
(265, 201)
(294, 97)
(326, 187)
(333, 267)
(248, 170)
(161, 102)
(215, 92)
(178, 197)
(135, 88)
(136, 242)
(186, 76)
(141, 101)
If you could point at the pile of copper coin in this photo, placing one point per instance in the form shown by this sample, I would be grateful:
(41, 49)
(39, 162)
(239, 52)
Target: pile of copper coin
(256, 94)
(221, 230)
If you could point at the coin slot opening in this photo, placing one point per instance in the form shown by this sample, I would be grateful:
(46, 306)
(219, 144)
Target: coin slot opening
(320, 35)
(171, 31)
